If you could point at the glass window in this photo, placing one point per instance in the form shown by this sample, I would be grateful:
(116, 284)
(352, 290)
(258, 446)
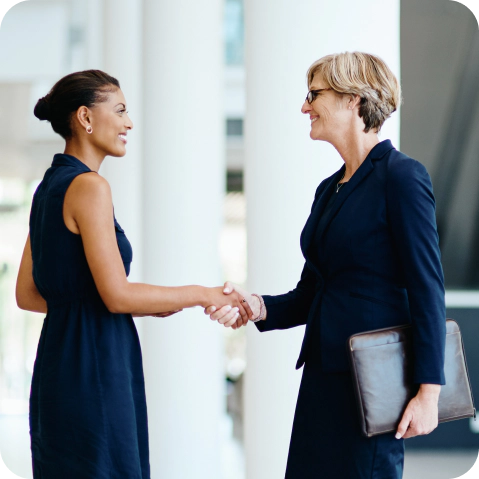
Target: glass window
(234, 32)
(234, 127)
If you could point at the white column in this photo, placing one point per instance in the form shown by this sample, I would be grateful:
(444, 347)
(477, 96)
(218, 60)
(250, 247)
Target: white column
(283, 169)
(93, 11)
(182, 193)
(122, 58)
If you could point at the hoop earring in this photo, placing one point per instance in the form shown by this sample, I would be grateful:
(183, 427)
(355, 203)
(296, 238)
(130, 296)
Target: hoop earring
(89, 129)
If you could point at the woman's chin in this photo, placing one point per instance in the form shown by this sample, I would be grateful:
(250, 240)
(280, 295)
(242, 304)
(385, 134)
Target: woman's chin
(313, 135)
(119, 152)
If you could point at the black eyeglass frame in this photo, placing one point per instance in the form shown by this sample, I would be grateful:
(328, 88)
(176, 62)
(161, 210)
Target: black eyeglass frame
(313, 94)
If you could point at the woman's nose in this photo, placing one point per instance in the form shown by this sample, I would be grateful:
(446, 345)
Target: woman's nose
(306, 108)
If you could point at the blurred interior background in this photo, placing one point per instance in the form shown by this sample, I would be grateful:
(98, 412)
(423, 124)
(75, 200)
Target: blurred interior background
(217, 184)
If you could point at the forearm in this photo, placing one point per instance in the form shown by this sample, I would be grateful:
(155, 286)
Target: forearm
(143, 299)
(26, 293)
(33, 301)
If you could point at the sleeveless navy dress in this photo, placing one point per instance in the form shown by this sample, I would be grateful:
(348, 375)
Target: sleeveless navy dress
(88, 416)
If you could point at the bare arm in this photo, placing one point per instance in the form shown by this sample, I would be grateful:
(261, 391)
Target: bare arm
(88, 211)
(26, 292)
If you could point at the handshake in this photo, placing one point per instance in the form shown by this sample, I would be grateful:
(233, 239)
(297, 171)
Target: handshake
(230, 305)
(242, 306)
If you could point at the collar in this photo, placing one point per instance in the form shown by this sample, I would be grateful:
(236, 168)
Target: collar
(379, 150)
(61, 159)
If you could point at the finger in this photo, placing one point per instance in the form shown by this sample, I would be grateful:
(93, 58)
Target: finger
(243, 319)
(403, 425)
(232, 321)
(245, 310)
(229, 287)
(221, 312)
(228, 317)
(409, 433)
(210, 310)
(242, 307)
(239, 323)
(248, 309)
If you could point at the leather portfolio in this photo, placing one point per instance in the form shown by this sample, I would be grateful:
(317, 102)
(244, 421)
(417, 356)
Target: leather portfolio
(381, 364)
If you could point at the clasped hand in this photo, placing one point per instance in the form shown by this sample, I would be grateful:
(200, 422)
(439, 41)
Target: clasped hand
(237, 315)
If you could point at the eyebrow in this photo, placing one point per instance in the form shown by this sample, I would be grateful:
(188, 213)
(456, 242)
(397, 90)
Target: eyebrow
(122, 104)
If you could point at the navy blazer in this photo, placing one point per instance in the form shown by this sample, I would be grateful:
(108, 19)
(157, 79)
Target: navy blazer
(382, 269)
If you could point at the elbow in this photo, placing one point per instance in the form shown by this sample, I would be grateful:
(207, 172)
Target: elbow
(21, 299)
(115, 308)
(21, 304)
(116, 296)
(116, 303)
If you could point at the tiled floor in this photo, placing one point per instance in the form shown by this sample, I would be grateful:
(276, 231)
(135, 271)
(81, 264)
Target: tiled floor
(15, 456)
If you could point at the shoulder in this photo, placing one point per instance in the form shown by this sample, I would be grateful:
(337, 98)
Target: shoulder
(407, 178)
(402, 168)
(89, 189)
(90, 183)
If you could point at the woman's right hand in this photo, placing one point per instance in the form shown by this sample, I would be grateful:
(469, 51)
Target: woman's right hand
(220, 314)
(220, 300)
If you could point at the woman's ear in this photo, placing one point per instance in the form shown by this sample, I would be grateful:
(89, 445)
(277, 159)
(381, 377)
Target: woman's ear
(353, 101)
(83, 117)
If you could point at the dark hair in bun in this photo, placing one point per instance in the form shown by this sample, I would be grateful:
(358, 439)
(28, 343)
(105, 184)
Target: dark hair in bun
(84, 88)
(42, 109)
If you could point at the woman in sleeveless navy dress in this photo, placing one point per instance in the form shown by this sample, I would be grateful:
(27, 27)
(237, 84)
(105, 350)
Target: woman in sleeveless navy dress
(88, 416)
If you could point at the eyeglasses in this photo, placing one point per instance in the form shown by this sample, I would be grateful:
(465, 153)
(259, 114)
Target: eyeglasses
(312, 94)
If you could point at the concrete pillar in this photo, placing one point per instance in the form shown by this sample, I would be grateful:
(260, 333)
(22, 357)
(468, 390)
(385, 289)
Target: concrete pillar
(283, 168)
(122, 58)
(183, 188)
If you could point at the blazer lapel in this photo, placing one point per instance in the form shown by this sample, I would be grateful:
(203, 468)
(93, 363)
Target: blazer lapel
(358, 177)
(311, 225)
(362, 172)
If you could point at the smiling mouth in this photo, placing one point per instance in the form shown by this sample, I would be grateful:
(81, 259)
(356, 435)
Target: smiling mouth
(314, 119)
(122, 138)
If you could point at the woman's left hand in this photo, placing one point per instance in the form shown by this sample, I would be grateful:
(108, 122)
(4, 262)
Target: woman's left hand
(421, 414)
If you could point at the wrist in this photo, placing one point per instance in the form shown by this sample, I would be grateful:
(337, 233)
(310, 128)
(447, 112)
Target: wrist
(203, 296)
(260, 308)
(429, 391)
(255, 306)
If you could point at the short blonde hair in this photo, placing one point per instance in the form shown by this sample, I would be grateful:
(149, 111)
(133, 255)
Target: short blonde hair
(363, 74)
